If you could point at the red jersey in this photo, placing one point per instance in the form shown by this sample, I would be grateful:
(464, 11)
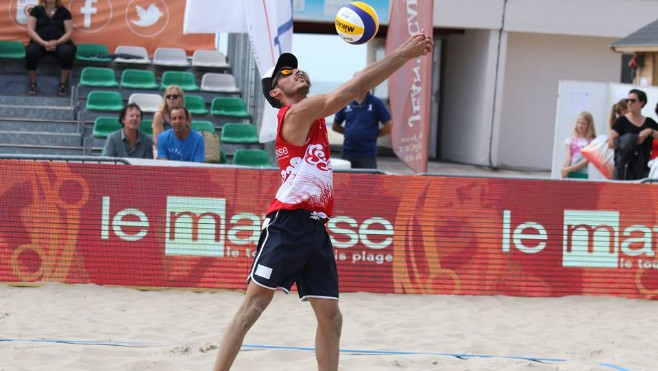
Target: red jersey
(306, 171)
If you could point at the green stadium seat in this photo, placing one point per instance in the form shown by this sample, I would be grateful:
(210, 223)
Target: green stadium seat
(184, 79)
(251, 157)
(222, 157)
(229, 106)
(239, 133)
(104, 101)
(12, 50)
(138, 79)
(98, 77)
(146, 126)
(201, 125)
(196, 105)
(89, 52)
(104, 126)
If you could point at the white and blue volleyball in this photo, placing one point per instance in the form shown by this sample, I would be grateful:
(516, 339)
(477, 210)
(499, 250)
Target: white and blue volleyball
(357, 22)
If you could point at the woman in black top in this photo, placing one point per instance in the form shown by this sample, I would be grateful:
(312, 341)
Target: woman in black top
(631, 137)
(49, 27)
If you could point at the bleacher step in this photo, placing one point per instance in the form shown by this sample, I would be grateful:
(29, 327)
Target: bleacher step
(40, 150)
(37, 112)
(18, 100)
(41, 138)
(50, 126)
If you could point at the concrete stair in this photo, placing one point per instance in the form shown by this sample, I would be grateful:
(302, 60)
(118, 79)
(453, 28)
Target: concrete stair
(37, 112)
(39, 126)
(26, 125)
(14, 149)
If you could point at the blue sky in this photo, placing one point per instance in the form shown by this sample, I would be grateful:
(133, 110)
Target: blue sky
(328, 57)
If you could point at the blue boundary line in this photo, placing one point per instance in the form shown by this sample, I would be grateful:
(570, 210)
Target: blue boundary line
(614, 367)
(388, 352)
(463, 356)
(131, 344)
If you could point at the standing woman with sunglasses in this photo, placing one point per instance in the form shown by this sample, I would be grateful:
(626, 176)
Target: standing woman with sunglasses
(631, 136)
(654, 142)
(173, 98)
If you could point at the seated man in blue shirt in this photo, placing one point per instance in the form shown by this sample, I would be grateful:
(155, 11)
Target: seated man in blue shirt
(181, 143)
(360, 123)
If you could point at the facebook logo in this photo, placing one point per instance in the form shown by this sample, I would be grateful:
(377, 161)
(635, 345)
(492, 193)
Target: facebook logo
(195, 226)
(590, 239)
(87, 10)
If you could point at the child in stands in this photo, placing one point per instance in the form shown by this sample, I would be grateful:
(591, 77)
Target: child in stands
(618, 109)
(575, 165)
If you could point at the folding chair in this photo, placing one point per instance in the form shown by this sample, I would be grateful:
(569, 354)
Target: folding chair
(173, 57)
(184, 79)
(219, 83)
(98, 77)
(251, 157)
(138, 79)
(148, 103)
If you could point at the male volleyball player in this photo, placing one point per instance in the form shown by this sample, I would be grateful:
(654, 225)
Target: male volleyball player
(294, 246)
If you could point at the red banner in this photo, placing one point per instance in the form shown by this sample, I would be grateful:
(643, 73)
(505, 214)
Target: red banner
(147, 23)
(409, 88)
(198, 228)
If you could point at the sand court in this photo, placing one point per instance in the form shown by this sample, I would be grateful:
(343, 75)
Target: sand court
(89, 327)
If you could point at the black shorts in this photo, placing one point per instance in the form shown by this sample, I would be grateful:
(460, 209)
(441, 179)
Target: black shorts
(294, 247)
(362, 162)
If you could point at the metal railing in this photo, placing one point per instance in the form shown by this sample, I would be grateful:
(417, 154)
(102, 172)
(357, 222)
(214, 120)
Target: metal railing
(64, 158)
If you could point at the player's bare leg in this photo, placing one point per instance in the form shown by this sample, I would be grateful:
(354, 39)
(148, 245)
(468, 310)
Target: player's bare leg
(256, 300)
(327, 336)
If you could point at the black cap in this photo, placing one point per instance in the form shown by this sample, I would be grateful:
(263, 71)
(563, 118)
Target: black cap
(285, 60)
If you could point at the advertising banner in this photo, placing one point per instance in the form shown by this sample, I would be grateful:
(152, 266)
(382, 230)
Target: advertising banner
(409, 89)
(151, 24)
(198, 228)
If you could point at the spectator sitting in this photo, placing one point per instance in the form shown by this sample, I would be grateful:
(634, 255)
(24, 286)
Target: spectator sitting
(49, 27)
(181, 143)
(129, 141)
(173, 97)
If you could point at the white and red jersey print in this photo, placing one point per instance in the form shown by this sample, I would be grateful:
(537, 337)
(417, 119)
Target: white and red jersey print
(306, 171)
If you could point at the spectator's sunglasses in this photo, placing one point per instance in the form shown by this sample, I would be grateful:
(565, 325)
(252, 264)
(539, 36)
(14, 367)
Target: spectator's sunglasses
(172, 96)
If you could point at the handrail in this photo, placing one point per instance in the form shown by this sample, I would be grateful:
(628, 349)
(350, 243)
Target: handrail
(364, 171)
(64, 158)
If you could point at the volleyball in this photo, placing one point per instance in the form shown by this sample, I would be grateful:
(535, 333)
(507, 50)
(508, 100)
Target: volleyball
(357, 22)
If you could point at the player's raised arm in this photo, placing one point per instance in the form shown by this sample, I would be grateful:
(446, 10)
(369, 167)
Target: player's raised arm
(304, 112)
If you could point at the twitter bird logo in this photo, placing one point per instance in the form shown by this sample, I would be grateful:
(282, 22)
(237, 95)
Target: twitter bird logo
(147, 17)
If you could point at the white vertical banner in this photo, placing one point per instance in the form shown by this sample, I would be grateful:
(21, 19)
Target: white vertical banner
(201, 16)
(269, 24)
